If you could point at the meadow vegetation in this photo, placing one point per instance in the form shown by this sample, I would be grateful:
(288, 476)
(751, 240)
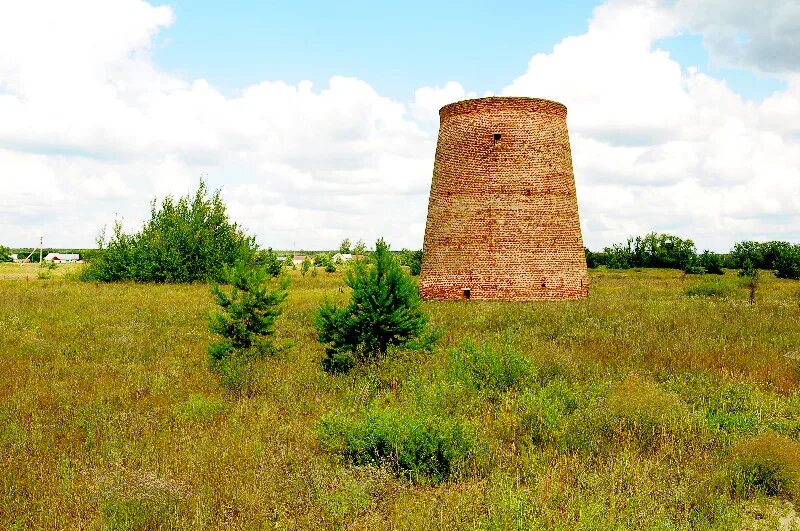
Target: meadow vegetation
(664, 401)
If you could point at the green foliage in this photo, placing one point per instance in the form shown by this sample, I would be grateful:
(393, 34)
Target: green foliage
(484, 369)
(344, 247)
(269, 261)
(324, 261)
(594, 260)
(385, 310)
(422, 449)
(305, 266)
(5, 254)
(651, 250)
(412, 260)
(747, 270)
(360, 249)
(767, 463)
(188, 240)
(246, 320)
(711, 263)
(787, 262)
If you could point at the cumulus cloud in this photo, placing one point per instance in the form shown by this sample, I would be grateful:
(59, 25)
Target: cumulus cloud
(91, 129)
(762, 35)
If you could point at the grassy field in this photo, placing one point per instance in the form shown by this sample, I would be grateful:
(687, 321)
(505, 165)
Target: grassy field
(625, 411)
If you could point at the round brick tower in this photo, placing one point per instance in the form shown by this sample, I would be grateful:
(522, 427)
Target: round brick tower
(503, 213)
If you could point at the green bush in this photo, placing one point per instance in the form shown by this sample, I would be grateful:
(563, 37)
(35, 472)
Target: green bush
(422, 449)
(384, 310)
(188, 240)
(5, 254)
(767, 463)
(485, 369)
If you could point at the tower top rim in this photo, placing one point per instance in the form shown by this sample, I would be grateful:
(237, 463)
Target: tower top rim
(500, 103)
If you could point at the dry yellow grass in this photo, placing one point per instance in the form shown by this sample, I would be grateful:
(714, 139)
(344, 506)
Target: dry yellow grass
(110, 418)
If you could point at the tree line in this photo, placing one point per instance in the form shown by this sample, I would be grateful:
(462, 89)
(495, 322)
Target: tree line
(672, 252)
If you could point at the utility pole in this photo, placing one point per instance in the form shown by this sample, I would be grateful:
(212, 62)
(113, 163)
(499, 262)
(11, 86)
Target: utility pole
(41, 248)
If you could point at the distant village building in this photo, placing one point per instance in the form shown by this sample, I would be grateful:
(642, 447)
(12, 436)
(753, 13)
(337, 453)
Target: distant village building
(14, 257)
(298, 260)
(342, 257)
(62, 258)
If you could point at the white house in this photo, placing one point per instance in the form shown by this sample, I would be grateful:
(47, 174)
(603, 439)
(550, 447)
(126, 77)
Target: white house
(342, 257)
(62, 258)
(298, 260)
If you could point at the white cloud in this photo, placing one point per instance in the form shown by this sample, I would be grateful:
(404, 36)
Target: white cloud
(91, 129)
(658, 147)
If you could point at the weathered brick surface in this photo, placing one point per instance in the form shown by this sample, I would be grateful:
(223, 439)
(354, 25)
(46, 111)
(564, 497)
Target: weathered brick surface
(503, 214)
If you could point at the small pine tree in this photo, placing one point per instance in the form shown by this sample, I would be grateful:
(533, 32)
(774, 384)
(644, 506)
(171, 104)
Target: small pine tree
(751, 274)
(305, 266)
(246, 321)
(385, 310)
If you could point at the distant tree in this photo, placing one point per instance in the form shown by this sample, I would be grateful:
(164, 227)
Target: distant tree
(186, 240)
(344, 247)
(618, 256)
(748, 250)
(360, 249)
(324, 261)
(5, 254)
(594, 260)
(246, 317)
(384, 310)
(787, 262)
(711, 263)
(288, 263)
(268, 260)
(412, 260)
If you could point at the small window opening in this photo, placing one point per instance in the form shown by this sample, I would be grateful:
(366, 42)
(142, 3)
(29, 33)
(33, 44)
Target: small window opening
(544, 284)
(497, 137)
(466, 293)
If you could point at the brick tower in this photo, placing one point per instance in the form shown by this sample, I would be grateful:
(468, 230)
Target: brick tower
(503, 213)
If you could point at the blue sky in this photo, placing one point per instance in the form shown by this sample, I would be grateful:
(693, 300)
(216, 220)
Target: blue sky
(396, 46)
(684, 115)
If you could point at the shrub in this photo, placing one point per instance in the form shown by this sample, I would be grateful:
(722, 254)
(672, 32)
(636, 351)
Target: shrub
(485, 369)
(384, 310)
(420, 448)
(247, 313)
(187, 240)
(5, 254)
(767, 463)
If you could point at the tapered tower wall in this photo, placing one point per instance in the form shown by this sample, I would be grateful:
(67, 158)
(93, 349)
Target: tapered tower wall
(503, 211)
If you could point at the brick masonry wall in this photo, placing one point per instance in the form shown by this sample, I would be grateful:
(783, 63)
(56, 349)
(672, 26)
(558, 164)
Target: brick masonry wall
(503, 214)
